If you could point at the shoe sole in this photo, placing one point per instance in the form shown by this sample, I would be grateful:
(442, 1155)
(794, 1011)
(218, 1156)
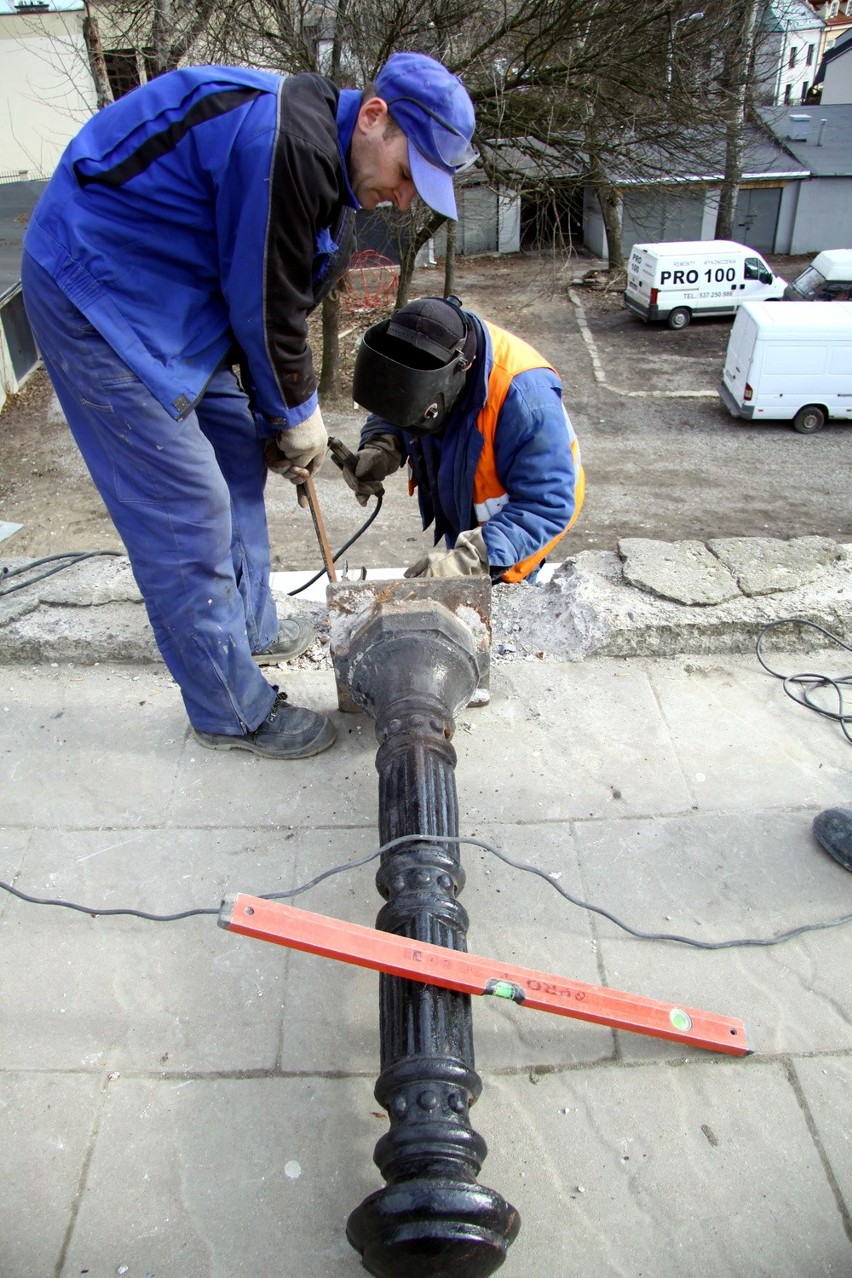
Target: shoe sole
(829, 832)
(263, 659)
(326, 738)
(275, 658)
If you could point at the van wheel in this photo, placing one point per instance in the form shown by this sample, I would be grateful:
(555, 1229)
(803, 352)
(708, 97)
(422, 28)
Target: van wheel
(680, 317)
(809, 419)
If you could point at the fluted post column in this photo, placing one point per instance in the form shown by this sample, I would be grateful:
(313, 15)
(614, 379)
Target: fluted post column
(412, 669)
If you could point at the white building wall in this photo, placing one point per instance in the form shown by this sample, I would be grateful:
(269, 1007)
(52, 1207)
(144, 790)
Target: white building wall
(46, 90)
(823, 215)
(837, 87)
(786, 64)
(508, 224)
(594, 232)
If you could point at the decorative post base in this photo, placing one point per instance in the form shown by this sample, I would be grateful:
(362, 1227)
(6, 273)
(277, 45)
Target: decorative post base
(412, 665)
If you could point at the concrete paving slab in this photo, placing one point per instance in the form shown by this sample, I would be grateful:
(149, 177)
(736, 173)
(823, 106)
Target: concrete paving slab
(13, 844)
(826, 1084)
(46, 1124)
(334, 788)
(558, 740)
(212, 1178)
(717, 878)
(741, 742)
(238, 1120)
(82, 997)
(705, 1169)
(88, 746)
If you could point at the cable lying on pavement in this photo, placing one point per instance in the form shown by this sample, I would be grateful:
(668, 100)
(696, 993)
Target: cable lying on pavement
(811, 682)
(738, 942)
(70, 557)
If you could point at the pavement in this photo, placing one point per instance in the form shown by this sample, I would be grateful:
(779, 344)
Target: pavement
(180, 1102)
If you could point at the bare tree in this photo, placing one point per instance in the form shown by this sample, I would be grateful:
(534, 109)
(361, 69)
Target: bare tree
(739, 63)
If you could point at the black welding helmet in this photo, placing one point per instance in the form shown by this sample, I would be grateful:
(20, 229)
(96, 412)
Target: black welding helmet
(411, 369)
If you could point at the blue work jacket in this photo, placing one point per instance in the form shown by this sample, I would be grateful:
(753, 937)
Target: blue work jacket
(530, 459)
(207, 208)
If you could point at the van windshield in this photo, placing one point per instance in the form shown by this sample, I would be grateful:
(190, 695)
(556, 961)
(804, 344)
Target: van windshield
(808, 283)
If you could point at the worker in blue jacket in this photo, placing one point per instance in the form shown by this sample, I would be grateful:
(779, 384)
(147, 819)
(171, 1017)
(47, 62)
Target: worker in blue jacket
(191, 225)
(478, 415)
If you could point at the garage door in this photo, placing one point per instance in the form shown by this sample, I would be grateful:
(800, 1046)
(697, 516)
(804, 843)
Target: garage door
(756, 217)
(650, 216)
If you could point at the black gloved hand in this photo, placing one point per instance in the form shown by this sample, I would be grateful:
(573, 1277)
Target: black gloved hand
(365, 470)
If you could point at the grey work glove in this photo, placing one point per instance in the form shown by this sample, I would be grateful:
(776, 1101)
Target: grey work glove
(468, 558)
(298, 452)
(380, 456)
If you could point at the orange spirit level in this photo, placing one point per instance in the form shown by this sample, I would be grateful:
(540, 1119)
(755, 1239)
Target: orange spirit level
(472, 974)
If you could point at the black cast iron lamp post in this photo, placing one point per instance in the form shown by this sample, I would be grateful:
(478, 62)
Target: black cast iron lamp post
(409, 656)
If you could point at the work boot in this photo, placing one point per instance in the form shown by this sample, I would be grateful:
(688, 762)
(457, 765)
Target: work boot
(287, 732)
(833, 830)
(295, 636)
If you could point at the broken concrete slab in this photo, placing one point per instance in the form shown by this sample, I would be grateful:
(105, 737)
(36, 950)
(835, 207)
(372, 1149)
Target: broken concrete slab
(765, 565)
(684, 571)
(589, 607)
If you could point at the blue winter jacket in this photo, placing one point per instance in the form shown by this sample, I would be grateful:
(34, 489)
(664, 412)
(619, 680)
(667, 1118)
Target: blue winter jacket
(209, 206)
(533, 457)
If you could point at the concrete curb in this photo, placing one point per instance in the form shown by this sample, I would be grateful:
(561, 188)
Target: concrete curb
(640, 602)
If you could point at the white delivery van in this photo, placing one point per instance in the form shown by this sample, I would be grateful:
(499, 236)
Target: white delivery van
(675, 281)
(790, 363)
(827, 279)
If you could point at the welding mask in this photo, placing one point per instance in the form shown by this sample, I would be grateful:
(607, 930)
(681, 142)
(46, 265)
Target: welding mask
(411, 369)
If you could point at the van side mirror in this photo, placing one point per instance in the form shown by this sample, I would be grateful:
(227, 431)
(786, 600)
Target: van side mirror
(766, 277)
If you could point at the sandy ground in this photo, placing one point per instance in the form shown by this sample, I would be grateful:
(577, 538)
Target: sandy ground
(657, 465)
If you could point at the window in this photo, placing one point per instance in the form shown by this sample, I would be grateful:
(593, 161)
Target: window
(793, 54)
(805, 88)
(787, 91)
(122, 71)
(809, 57)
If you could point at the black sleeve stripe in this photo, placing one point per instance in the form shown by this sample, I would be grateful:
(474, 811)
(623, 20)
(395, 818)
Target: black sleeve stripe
(159, 144)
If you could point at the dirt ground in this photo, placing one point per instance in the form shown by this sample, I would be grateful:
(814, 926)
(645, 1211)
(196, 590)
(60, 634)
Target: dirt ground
(658, 465)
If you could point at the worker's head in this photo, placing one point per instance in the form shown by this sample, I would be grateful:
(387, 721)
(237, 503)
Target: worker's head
(412, 134)
(411, 369)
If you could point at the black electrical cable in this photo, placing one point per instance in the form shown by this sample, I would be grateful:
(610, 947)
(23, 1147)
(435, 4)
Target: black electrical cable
(811, 682)
(343, 548)
(777, 939)
(72, 557)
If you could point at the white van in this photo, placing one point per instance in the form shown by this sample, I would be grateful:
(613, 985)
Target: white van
(675, 281)
(790, 363)
(827, 279)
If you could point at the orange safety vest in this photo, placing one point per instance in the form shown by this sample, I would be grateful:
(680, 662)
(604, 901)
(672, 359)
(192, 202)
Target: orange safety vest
(512, 356)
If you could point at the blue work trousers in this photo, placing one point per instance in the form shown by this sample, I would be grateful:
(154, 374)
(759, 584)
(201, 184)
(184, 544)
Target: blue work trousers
(187, 500)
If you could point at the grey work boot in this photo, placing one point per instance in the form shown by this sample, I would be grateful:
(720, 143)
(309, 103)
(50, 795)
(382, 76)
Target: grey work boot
(833, 830)
(295, 636)
(287, 732)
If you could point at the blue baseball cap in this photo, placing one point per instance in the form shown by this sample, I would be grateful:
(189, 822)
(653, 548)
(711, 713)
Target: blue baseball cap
(434, 111)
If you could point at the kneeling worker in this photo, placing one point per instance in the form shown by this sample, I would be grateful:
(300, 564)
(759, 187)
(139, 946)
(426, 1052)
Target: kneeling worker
(479, 416)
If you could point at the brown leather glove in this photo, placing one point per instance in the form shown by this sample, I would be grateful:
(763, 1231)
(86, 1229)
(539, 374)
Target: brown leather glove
(298, 452)
(468, 558)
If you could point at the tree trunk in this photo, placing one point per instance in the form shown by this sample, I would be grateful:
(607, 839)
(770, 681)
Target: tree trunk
(97, 64)
(609, 201)
(739, 64)
(329, 383)
(450, 260)
(161, 33)
(419, 236)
